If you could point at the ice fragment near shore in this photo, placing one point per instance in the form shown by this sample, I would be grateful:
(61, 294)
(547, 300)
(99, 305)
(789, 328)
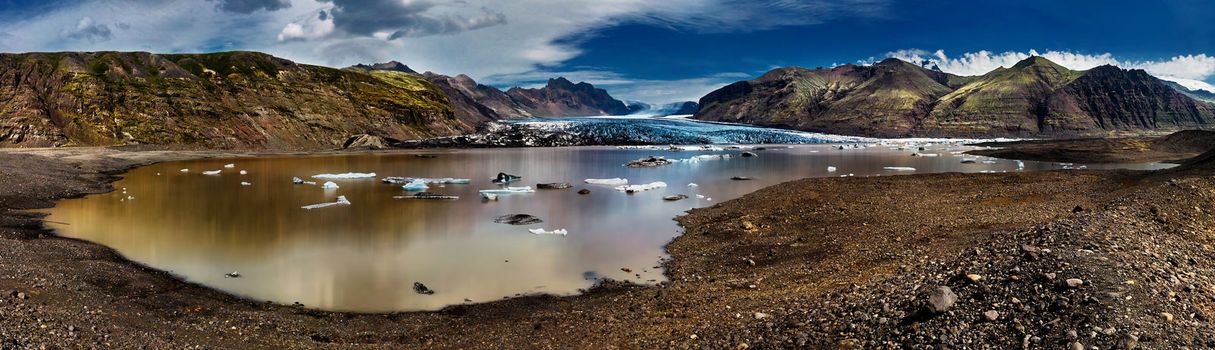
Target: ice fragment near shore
(642, 187)
(610, 182)
(341, 200)
(441, 180)
(540, 231)
(899, 168)
(344, 176)
(831, 169)
(242, 183)
(229, 165)
(329, 186)
(211, 172)
(242, 172)
(185, 170)
(693, 185)
(508, 190)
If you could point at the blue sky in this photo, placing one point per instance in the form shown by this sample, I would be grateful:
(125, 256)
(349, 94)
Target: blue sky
(655, 51)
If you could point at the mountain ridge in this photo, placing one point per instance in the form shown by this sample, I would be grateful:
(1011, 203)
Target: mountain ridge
(893, 98)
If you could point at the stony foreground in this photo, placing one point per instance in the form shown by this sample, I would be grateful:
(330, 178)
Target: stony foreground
(1040, 260)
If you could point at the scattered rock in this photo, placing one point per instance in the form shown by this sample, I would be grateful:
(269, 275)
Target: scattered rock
(748, 154)
(740, 178)
(941, 299)
(428, 156)
(1075, 346)
(232, 274)
(518, 219)
(760, 315)
(747, 225)
(991, 315)
(675, 197)
(648, 162)
(1168, 317)
(974, 277)
(420, 288)
(584, 192)
(1074, 282)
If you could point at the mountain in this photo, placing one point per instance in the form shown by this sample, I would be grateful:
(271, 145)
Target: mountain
(386, 66)
(884, 99)
(476, 103)
(895, 98)
(243, 100)
(1201, 95)
(562, 98)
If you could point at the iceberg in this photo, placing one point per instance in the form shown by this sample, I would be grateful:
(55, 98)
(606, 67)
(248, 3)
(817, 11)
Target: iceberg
(416, 185)
(504, 178)
(489, 196)
(831, 169)
(185, 170)
(899, 168)
(441, 180)
(642, 187)
(610, 182)
(329, 186)
(508, 190)
(229, 165)
(341, 200)
(344, 176)
(540, 231)
(242, 172)
(211, 172)
(242, 183)
(693, 185)
(428, 195)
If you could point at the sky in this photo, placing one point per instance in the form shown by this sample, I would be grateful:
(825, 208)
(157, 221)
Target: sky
(653, 51)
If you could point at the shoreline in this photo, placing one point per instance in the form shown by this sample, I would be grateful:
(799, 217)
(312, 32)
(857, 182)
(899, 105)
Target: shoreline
(145, 304)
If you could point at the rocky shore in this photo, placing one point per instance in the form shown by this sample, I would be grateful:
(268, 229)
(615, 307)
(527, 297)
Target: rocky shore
(1041, 260)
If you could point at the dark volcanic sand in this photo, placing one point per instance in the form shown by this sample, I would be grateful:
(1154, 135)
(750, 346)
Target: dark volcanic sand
(831, 262)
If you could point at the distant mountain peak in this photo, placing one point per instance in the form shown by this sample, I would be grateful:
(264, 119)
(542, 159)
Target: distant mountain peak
(387, 66)
(1035, 61)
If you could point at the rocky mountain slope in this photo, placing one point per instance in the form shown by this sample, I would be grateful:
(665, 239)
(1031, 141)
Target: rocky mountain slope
(244, 100)
(1035, 97)
(476, 102)
(1201, 95)
(562, 98)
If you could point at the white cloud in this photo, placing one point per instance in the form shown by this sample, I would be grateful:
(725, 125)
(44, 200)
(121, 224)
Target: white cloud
(1188, 70)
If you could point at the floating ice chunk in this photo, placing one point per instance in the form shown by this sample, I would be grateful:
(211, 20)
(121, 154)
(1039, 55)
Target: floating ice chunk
(428, 195)
(242, 183)
(229, 165)
(899, 168)
(831, 169)
(700, 196)
(416, 185)
(329, 186)
(441, 180)
(540, 231)
(610, 182)
(693, 185)
(297, 181)
(508, 190)
(1020, 165)
(211, 172)
(232, 274)
(489, 196)
(242, 172)
(341, 200)
(642, 187)
(925, 155)
(344, 176)
(185, 170)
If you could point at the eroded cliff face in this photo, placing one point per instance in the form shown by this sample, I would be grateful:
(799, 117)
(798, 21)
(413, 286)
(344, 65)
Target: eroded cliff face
(474, 102)
(893, 98)
(230, 100)
(562, 98)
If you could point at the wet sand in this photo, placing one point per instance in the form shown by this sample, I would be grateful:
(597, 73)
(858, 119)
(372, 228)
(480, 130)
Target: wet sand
(829, 262)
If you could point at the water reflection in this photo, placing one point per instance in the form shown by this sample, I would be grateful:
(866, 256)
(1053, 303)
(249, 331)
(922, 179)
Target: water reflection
(366, 256)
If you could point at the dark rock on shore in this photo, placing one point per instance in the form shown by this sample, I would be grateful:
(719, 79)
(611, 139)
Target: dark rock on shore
(648, 162)
(420, 288)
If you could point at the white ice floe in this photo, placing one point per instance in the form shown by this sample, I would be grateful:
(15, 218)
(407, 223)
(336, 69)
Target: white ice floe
(610, 182)
(899, 168)
(641, 187)
(242, 172)
(185, 170)
(1020, 165)
(439, 180)
(341, 200)
(693, 185)
(508, 190)
(329, 186)
(416, 185)
(211, 172)
(831, 169)
(243, 183)
(344, 176)
(229, 165)
(700, 196)
(926, 154)
(540, 231)
(489, 196)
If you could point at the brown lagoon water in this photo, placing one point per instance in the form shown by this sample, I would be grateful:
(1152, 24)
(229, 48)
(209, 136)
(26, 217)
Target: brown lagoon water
(367, 256)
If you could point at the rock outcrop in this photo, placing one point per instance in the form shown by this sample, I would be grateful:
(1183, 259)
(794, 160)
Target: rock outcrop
(563, 98)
